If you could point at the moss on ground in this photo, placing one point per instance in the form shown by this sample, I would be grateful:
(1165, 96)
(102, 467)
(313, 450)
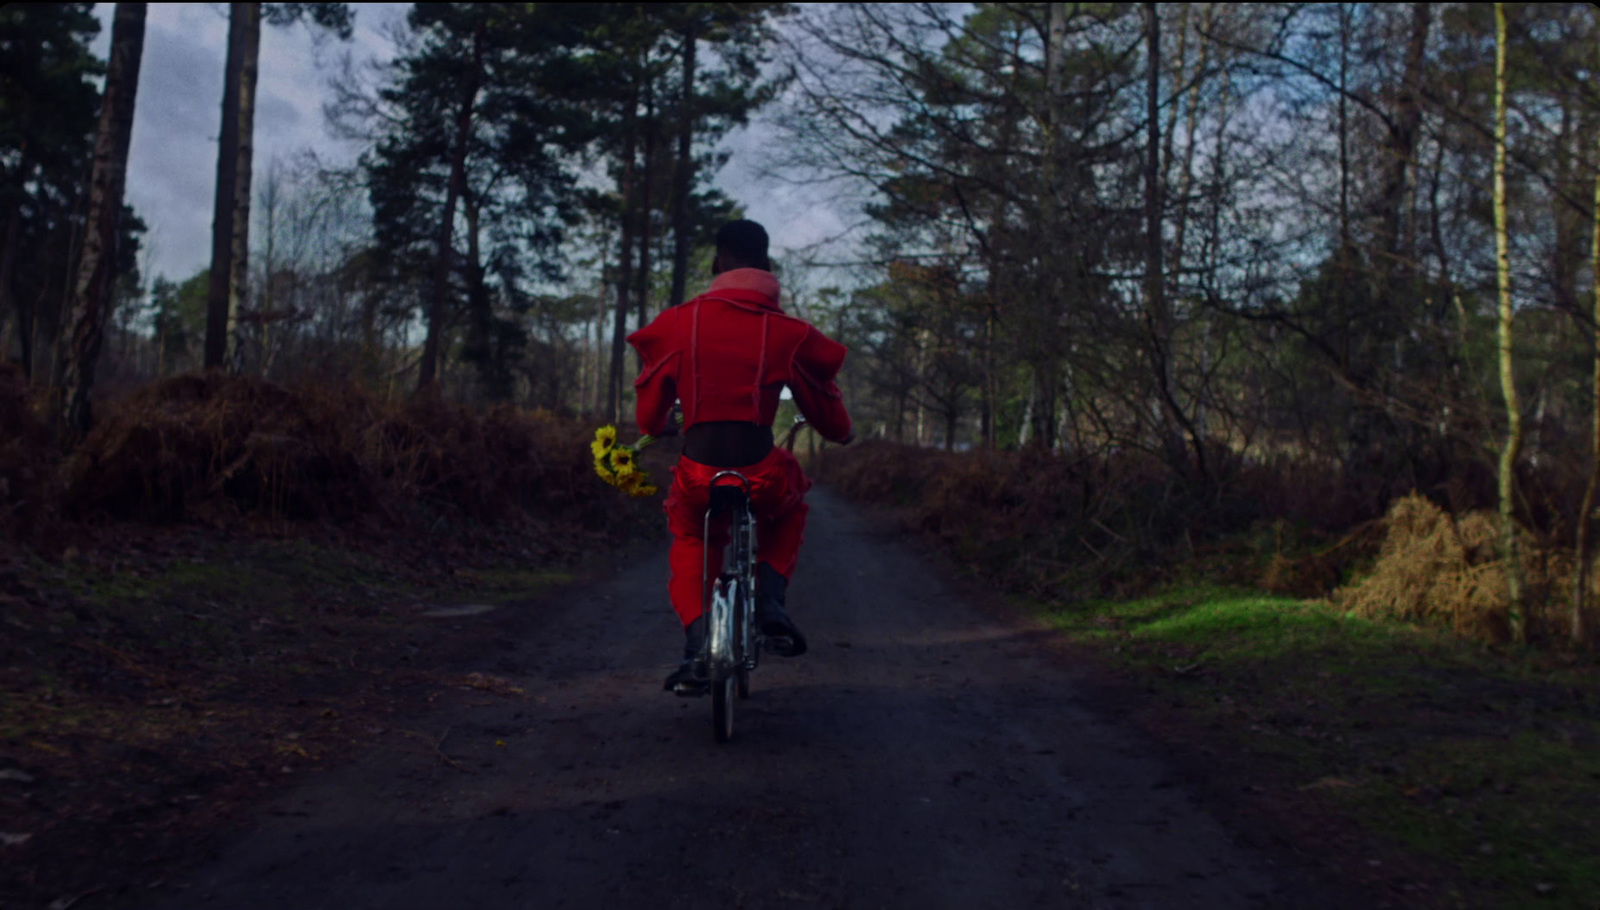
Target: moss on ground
(1482, 760)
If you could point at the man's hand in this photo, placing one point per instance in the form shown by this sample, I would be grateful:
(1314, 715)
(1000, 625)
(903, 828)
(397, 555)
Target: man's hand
(848, 439)
(674, 423)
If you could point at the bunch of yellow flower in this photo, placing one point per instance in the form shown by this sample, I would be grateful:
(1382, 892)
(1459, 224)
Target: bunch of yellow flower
(618, 464)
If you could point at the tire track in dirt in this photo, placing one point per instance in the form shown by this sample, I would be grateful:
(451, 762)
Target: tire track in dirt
(924, 754)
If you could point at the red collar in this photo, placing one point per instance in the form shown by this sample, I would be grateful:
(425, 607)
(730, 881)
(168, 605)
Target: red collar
(748, 285)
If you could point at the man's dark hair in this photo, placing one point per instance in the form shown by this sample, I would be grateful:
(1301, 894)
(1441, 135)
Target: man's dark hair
(745, 242)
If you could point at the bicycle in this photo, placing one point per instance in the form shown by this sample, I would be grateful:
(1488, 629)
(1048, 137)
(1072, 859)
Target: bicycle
(733, 642)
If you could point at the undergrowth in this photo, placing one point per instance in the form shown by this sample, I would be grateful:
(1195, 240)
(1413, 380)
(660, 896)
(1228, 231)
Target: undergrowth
(1065, 528)
(214, 447)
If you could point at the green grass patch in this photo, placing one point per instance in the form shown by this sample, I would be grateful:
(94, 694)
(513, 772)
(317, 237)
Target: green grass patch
(1485, 761)
(506, 584)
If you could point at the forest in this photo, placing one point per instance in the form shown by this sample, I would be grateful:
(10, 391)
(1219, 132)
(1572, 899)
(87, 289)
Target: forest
(1303, 297)
(1355, 241)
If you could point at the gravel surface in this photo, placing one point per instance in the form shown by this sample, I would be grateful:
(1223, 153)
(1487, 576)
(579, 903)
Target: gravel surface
(926, 753)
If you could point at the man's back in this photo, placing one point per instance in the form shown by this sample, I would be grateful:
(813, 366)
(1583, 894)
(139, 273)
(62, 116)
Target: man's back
(727, 355)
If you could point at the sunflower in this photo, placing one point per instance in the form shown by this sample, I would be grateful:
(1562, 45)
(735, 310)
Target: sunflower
(622, 462)
(618, 464)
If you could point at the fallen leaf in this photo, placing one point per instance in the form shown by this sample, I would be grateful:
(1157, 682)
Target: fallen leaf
(16, 775)
(14, 840)
(490, 684)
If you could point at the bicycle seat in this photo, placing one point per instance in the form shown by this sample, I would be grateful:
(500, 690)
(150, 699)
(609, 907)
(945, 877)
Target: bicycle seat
(727, 498)
(729, 490)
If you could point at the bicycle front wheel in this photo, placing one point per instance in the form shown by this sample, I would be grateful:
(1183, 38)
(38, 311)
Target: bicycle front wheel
(722, 698)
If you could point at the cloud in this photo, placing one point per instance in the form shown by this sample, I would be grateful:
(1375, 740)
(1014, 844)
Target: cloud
(173, 160)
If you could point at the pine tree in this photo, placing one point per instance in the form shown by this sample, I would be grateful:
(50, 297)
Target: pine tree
(48, 111)
(230, 226)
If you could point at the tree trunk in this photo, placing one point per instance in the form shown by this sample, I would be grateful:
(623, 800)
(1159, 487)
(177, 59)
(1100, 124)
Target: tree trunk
(1042, 405)
(1580, 631)
(1181, 224)
(239, 262)
(1191, 124)
(990, 396)
(1344, 140)
(8, 258)
(482, 319)
(619, 327)
(1158, 322)
(428, 371)
(642, 277)
(1025, 428)
(1508, 386)
(80, 346)
(1158, 314)
(683, 175)
(1566, 258)
(1177, 81)
(595, 402)
(1403, 143)
(269, 201)
(49, 323)
(1053, 271)
(228, 240)
(900, 416)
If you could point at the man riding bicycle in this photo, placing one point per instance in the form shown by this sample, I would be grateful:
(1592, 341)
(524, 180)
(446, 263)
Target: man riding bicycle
(726, 355)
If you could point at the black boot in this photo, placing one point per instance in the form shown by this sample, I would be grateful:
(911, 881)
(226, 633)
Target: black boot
(783, 638)
(689, 678)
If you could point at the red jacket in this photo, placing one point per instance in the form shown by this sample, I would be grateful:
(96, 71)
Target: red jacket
(727, 353)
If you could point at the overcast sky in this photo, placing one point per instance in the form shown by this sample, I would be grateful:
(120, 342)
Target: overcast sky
(173, 160)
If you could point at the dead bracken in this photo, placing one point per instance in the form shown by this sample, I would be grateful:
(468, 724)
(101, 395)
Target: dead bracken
(1436, 567)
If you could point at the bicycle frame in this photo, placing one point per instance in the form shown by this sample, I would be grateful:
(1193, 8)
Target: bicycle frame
(731, 644)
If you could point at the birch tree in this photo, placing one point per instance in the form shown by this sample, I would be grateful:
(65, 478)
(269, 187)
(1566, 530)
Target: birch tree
(1508, 385)
(91, 290)
(1582, 557)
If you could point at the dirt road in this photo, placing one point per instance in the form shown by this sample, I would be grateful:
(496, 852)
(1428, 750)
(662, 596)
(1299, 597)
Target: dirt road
(925, 754)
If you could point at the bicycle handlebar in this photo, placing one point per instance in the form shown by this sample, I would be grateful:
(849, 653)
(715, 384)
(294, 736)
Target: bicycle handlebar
(788, 439)
(800, 422)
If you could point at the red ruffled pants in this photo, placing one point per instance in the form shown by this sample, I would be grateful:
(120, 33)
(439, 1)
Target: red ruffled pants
(778, 489)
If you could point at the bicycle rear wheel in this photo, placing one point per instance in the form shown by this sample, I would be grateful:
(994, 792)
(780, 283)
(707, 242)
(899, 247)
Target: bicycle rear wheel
(722, 698)
(744, 682)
